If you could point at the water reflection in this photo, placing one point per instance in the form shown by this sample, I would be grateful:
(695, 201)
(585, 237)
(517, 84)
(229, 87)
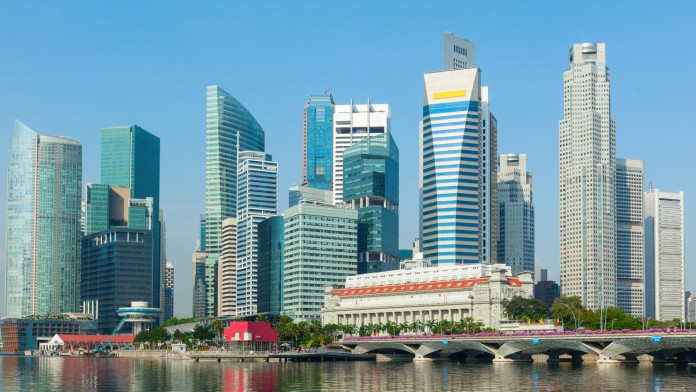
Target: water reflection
(92, 374)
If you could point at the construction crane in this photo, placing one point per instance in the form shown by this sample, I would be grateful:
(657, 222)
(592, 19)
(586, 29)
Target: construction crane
(327, 90)
(102, 348)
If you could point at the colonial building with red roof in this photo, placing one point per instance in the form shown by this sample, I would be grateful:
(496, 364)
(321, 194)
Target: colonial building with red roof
(422, 294)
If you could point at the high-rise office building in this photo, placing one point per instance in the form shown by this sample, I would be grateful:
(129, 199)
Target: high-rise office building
(371, 186)
(302, 194)
(587, 150)
(516, 214)
(130, 159)
(116, 270)
(257, 196)
(450, 179)
(169, 292)
(198, 283)
(664, 255)
(630, 237)
(229, 126)
(460, 54)
(321, 248)
(271, 240)
(351, 124)
(44, 191)
(227, 270)
(317, 167)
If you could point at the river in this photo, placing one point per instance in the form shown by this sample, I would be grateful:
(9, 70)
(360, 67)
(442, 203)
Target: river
(129, 374)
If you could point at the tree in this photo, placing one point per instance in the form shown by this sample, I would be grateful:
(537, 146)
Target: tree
(142, 336)
(522, 308)
(203, 332)
(568, 310)
(262, 318)
(159, 335)
(218, 328)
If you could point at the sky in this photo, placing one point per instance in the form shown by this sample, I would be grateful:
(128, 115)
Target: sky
(73, 68)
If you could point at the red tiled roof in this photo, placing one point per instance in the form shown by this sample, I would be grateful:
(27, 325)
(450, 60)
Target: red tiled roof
(413, 287)
(96, 338)
(514, 282)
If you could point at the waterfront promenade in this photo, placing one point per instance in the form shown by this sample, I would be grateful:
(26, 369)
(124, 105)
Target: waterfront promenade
(604, 346)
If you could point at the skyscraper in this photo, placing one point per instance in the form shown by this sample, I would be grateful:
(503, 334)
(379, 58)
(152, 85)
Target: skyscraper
(227, 270)
(516, 214)
(664, 255)
(321, 247)
(317, 168)
(198, 283)
(450, 180)
(228, 123)
(130, 159)
(353, 123)
(371, 186)
(257, 195)
(587, 150)
(460, 54)
(271, 245)
(630, 237)
(44, 191)
(169, 292)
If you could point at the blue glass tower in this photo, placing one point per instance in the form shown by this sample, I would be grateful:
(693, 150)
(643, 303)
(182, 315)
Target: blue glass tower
(318, 142)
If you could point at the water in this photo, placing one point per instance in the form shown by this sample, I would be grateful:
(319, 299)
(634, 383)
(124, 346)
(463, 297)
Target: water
(128, 374)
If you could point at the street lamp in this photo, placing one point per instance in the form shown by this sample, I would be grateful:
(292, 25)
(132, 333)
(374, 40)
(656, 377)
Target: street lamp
(571, 311)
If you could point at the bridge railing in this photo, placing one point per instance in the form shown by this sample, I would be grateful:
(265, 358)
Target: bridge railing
(523, 334)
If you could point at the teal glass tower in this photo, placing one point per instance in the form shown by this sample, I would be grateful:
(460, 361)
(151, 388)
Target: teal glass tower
(371, 185)
(44, 192)
(270, 272)
(130, 158)
(318, 142)
(229, 126)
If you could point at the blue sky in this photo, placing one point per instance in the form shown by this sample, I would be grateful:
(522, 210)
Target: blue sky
(74, 69)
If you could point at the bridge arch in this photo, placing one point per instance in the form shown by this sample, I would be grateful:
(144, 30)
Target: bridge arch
(670, 347)
(552, 347)
(453, 348)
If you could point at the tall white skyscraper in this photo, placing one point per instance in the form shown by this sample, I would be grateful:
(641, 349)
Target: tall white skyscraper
(664, 255)
(257, 199)
(460, 53)
(630, 237)
(227, 270)
(352, 123)
(450, 179)
(516, 212)
(587, 152)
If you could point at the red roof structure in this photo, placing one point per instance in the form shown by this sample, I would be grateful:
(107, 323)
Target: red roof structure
(251, 331)
(422, 286)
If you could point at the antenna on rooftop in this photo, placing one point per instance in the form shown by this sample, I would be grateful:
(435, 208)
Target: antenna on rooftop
(327, 90)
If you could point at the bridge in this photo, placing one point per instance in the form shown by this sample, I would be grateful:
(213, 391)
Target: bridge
(606, 347)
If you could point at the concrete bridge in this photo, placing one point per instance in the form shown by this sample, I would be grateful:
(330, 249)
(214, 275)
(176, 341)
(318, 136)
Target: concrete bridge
(606, 348)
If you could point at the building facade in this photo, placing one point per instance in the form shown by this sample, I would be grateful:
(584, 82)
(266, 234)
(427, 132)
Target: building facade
(449, 293)
(317, 167)
(20, 335)
(351, 124)
(547, 291)
(450, 180)
(459, 53)
(227, 270)
(257, 199)
(587, 151)
(664, 255)
(303, 194)
(130, 160)
(169, 292)
(198, 286)
(271, 245)
(229, 127)
(116, 270)
(630, 237)
(321, 248)
(515, 214)
(371, 186)
(44, 191)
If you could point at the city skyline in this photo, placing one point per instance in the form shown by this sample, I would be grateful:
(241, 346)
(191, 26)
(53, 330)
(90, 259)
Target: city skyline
(167, 97)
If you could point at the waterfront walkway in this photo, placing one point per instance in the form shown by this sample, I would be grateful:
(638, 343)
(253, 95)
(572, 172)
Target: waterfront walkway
(313, 356)
(605, 346)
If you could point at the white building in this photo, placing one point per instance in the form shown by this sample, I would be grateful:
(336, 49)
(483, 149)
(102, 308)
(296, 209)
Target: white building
(352, 123)
(630, 237)
(227, 270)
(664, 255)
(422, 294)
(459, 53)
(516, 214)
(257, 199)
(587, 151)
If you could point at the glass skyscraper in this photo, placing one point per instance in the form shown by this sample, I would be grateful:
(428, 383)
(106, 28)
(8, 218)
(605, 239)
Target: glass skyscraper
(271, 237)
(130, 160)
(371, 185)
(318, 138)
(229, 126)
(44, 192)
(257, 193)
(450, 183)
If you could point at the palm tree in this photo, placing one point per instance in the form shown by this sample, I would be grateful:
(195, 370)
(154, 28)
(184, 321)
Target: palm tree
(404, 327)
(263, 318)
(218, 327)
